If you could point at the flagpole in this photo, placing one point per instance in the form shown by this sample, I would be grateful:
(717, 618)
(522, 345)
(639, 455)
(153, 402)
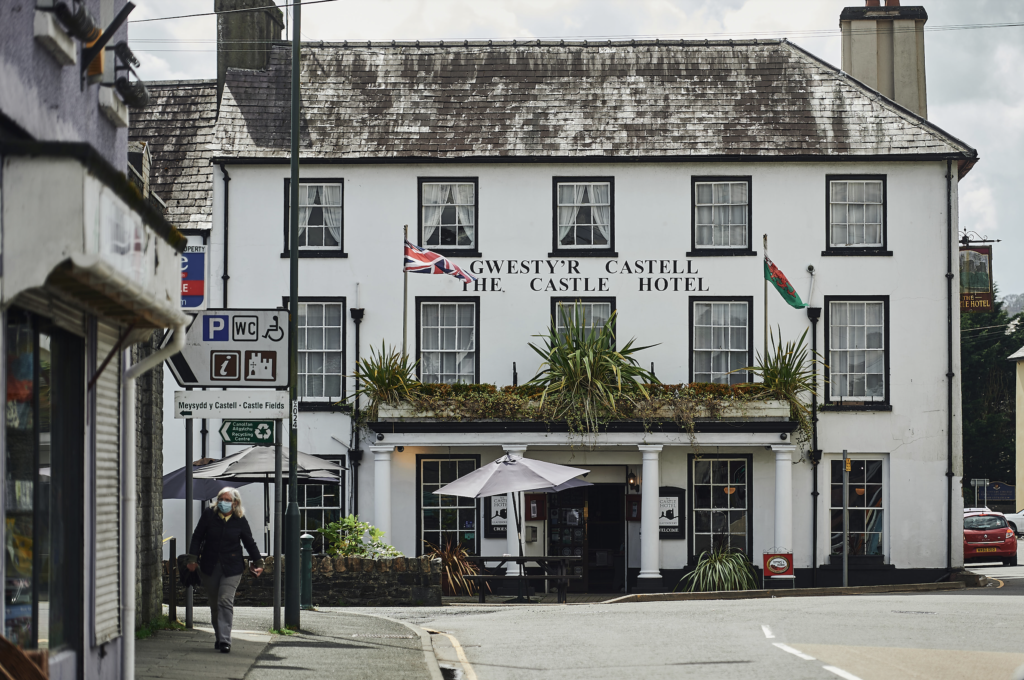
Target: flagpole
(405, 298)
(764, 357)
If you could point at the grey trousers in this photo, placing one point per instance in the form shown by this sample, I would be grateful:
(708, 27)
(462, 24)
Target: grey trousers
(220, 593)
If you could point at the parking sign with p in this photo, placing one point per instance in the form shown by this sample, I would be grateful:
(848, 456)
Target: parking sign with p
(215, 328)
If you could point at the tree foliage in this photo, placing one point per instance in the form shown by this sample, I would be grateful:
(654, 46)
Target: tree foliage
(988, 393)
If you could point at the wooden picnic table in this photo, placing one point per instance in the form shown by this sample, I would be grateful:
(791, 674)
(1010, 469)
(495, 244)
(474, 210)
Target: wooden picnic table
(556, 568)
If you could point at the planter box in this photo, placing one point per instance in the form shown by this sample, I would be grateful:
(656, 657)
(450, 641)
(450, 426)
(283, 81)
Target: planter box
(750, 410)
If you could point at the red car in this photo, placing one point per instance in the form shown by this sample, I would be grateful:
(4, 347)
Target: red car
(989, 538)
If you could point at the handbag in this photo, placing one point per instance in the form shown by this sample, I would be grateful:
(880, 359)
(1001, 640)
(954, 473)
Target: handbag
(186, 577)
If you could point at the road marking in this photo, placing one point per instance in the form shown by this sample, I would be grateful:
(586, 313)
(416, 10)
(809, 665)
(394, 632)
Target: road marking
(466, 667)
(1001, 584)
(768, 632)
(795, 652)
(841, 673)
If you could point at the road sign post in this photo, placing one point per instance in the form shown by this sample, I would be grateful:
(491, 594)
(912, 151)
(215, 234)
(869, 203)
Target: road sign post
(259, 432)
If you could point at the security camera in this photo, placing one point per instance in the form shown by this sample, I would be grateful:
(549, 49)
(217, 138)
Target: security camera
(783, 436)
(401, 449)
(810, 269)
(380, 437)
(134, 94)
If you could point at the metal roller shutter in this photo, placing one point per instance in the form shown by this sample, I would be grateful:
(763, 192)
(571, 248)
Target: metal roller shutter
(63, 314)
(108, 480)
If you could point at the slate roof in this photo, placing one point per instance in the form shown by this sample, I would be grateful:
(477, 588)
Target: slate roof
(178, 126)
(758, 98)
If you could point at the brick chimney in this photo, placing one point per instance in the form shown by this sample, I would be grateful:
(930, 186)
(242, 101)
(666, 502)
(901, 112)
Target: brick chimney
(883, 47)
(244, 38)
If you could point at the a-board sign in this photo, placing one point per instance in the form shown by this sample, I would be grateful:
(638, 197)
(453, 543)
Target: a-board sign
(241, 404)
(234, 348)
(671, 513)
(247, 431)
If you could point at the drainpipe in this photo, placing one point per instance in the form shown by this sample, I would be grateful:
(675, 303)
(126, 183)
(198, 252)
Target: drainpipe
(814, 313)
(949, 364)
(355, 454)
(224, 277)
(129, 499)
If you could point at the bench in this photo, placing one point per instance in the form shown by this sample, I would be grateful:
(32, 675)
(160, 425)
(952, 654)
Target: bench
(556, 569)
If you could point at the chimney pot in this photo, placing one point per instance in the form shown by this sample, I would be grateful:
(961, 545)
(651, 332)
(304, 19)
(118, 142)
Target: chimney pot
(871, 3)
(892, 3)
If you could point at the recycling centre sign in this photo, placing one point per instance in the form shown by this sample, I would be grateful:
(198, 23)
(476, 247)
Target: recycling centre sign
(260, 432)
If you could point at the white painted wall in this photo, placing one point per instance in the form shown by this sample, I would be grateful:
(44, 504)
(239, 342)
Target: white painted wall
(652, 221)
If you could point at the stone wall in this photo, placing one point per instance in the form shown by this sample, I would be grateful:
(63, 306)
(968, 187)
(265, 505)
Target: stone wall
(149, 446)
(344, 581)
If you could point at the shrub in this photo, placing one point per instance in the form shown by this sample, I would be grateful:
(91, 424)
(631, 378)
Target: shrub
(454, 567)
(786, 374)
(386, 377)
(348, 538)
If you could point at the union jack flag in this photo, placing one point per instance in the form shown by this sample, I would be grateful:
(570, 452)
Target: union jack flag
(422, 261)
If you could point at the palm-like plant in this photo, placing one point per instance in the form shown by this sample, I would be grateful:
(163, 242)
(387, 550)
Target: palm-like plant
(455, 567)
(584, 378)
(721, 568)
(386, 376)
(787, 373)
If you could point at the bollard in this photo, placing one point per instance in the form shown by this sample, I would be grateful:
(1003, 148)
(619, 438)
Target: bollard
(172, 564)
(306, 598)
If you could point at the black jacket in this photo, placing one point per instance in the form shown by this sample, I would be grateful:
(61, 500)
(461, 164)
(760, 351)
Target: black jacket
(215, 540)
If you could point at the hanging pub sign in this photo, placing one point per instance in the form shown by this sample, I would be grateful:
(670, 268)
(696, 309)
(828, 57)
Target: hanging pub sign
(671, 523)
(496, 513)
(976, 279)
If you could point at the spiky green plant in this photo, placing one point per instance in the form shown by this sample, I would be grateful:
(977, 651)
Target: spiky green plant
(787, 374)
(455, 567)
(386, 376)
(721, 568)
(348, 537)
(584, 378)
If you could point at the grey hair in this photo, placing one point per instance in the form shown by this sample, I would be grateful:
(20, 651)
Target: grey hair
(236, 500)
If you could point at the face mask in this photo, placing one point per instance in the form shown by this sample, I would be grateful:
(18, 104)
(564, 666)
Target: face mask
(224, 507)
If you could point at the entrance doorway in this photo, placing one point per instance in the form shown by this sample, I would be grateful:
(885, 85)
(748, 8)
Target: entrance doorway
(591, 523)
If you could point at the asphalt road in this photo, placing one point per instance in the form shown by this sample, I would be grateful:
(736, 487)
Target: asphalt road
(958, 635)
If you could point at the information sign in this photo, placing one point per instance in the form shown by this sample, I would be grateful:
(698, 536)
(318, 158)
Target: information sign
(193, 276)
(242, 404)
(247, 431)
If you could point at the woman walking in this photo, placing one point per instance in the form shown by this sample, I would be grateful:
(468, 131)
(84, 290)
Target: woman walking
(215, 544)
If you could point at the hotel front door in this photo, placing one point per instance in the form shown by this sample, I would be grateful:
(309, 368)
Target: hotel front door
(590, 522)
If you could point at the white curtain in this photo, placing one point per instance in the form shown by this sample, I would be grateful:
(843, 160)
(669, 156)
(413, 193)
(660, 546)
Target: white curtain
(434, 196)
(332, 215)
(567, 214)
(465, 200)
(307, 196)
(601, 214)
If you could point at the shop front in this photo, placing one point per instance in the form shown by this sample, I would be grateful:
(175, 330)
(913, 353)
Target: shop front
(690, 491)
(89, 270)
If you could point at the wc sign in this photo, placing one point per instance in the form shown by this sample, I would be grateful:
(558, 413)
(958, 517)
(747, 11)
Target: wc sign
(193, 277)
(234, 348)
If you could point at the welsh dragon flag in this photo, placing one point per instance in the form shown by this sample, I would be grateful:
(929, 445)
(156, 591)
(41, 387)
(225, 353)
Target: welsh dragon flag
(782, 284)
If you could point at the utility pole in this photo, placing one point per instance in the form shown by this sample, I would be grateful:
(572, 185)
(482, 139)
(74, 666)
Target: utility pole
(846, 520)
(291, 595)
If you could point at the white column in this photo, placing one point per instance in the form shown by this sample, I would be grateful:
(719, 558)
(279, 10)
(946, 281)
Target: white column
(783, 497)
(382, 490)
(512, 536)
(650, 541)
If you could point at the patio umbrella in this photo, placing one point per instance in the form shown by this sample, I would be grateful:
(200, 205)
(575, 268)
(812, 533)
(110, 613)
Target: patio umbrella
(174, 485)
(511, 475)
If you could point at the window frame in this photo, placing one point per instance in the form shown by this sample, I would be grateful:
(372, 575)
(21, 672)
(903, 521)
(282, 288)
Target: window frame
(749, 299)
(826, 471)
(474, 251)
(477, 517)
(828, 404)
(691, 458)
(286, 250)
(305, 405)
(705, 251)
(558, 250)
(475, 299)
(303, 509)
(856, 251)
(555, 301)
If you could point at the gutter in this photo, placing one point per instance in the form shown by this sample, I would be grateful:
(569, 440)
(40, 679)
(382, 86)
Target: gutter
(129, 500)
(227, 194)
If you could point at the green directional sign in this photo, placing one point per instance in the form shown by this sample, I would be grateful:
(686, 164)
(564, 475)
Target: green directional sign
(247, 431)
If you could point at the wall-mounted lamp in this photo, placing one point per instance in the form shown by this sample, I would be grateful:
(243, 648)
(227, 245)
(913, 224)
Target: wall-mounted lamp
(633, 481)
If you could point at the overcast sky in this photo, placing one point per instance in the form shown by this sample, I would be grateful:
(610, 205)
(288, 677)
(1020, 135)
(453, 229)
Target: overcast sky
(975, 88)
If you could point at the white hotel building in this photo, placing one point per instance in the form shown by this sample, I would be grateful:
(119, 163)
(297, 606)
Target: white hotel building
(635, 177)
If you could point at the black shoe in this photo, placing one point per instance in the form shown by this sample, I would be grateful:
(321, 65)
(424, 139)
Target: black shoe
(225, 648)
